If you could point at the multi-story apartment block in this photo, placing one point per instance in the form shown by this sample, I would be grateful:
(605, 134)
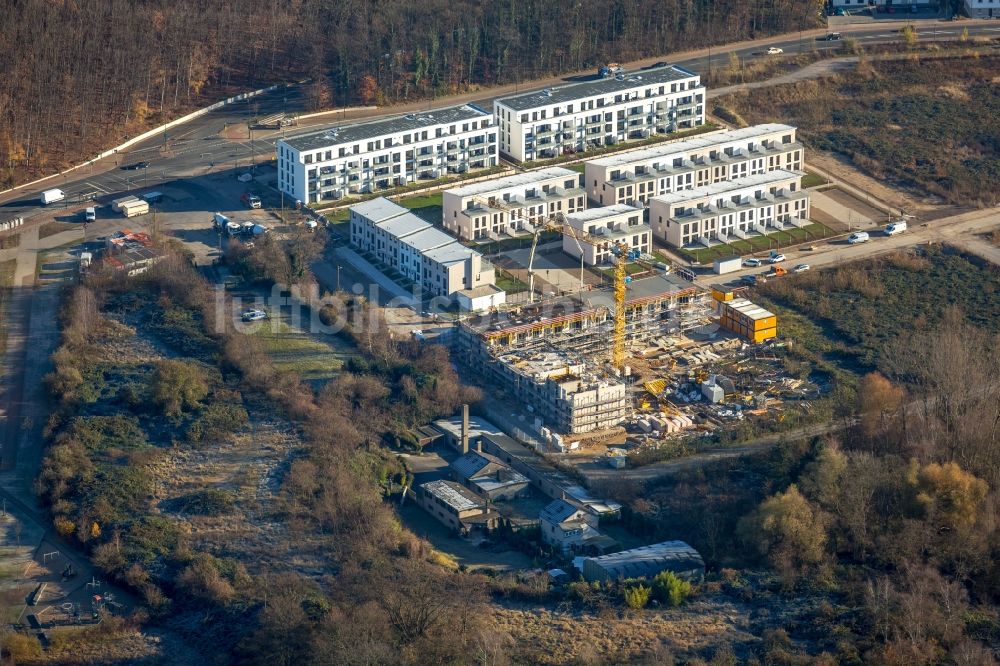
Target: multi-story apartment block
(759, 203)
(638, 175)
(578, 116)
(423, 254)
(596, 232)
(333, 162)
(982, 8)
(504, 206)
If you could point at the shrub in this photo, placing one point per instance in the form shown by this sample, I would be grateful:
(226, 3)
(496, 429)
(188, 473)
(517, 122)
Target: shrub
(670, 589)
(176, 385)
(217, 421)
(637, 597)
(20, 647)
(210, 502)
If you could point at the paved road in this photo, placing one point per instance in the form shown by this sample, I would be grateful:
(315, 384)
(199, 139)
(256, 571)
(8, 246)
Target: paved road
(194, 147)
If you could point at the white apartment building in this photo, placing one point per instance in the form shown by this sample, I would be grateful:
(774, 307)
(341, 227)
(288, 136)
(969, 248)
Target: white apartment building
(637, 175)
(333, 162)
(600, 230)
(756, 204)
(608, 111)
(503, 206)
(982, 8)
(416, 249)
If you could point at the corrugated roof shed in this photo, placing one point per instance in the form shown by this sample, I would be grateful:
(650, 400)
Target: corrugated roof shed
(646, 562)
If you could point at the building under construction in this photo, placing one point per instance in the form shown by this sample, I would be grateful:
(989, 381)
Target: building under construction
(555, 356)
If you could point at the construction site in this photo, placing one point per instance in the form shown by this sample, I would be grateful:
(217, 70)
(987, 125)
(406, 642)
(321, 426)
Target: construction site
(652, 359)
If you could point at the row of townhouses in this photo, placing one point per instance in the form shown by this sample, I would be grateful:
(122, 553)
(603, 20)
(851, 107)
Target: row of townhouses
(504, 206)
(638, 175)
(333, 162)
(421, 253)
(731, 210)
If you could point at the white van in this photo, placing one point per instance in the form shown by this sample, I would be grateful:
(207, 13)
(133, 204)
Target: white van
(858, 237)
(895, 228)
(90, 214)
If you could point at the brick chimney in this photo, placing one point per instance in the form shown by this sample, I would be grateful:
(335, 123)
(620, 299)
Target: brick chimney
(465, 429)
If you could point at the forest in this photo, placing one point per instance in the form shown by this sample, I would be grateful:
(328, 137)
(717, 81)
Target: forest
(81, 76)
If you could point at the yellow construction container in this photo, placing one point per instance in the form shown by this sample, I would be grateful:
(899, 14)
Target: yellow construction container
(748, 320)
(722, 293)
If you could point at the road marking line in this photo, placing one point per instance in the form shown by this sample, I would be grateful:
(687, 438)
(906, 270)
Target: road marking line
(97, 187)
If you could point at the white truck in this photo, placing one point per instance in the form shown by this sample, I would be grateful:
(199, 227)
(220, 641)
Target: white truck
(52, 196)
(894, 228)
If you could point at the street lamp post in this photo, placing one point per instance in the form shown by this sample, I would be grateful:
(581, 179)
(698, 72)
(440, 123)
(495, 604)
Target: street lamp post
(338, 277)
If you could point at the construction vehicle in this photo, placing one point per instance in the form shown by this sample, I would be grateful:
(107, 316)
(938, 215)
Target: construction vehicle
(778, 271)
(609, 69)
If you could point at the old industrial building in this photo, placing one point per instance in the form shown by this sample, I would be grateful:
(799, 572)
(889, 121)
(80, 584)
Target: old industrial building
(489, 476)
(600, 232)
(609, 111)
(329, 163)
(501, 207)
(427, 256)
(456, 506)
(637, 175)
(645, 562)
(756, 204)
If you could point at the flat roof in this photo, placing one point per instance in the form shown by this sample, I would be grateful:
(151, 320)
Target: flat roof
(611, 84)
(727, 186)
(403, 225)
(455, 495)
(748, 309)
(591, 214)
(478, 426)
(481, 290)
(687, 145)
(516, 180)
(449, 254)
(335, 135)
(379, 209)
(649, 560)
(427, 239)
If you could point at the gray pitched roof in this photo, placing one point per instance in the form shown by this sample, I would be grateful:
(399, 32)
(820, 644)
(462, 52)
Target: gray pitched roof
(557, 511)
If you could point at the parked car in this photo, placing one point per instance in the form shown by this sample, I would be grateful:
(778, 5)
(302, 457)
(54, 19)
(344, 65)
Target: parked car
(774, 50)
(749, 280)
(801, 268)
(135, 166)
(90, 214)
(752, 262)
(254, 314)
(858, 237)
(776, 257)
(251, 200)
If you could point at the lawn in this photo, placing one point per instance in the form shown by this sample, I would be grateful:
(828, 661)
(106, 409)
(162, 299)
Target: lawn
(292, 349)
(778, 239)
(427, 206)
(811, 179)
(509, 283)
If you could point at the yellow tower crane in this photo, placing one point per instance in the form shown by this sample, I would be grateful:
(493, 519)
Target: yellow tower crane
(618, 338)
